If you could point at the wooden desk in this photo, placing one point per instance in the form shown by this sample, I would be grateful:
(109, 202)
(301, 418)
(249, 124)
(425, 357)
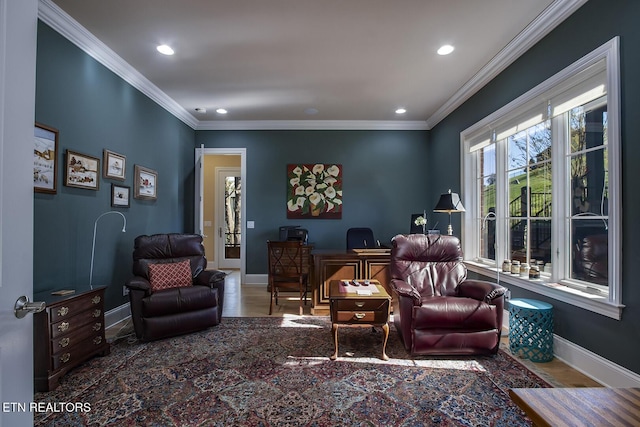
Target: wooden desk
(349, 308)
(577, 407)
(334, 264)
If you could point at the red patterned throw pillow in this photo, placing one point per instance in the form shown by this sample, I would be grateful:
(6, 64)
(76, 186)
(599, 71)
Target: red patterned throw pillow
(170, 275)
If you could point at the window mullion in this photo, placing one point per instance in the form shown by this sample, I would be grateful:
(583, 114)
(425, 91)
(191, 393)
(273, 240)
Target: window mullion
(502, 203)
(560, 198)
(470, 232)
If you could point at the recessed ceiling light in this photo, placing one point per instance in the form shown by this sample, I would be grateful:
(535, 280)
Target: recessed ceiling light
(165, 49)
(401, 111)
(311, 111)
(221, 111)
(445, 50)
(201, 110)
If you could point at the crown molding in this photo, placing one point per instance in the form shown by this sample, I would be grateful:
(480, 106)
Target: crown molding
(69, 28)
(544, 23)
(312, 125)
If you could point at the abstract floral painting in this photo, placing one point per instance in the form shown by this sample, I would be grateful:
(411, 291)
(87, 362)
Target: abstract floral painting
(314, 191)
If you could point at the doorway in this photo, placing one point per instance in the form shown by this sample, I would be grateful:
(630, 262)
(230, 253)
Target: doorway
(209, 219)
(228, 217)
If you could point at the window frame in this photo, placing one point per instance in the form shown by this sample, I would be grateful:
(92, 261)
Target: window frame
(558, 285)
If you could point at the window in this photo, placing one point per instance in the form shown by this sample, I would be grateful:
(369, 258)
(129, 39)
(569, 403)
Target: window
(541, 186)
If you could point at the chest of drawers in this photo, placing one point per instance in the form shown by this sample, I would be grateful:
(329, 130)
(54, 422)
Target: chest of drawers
(68, 332)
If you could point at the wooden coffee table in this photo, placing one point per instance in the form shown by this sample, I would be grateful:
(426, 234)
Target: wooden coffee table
(569, 407)
(367, 304)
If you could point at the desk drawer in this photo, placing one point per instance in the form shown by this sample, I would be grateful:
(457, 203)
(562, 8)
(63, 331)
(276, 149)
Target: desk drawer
(356, 316)
(362, 304)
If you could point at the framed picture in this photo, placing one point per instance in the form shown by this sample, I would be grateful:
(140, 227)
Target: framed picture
(45, 159)
(314, 191)
(114, 165)
(81, 171)
(145, 183)
(120, 195)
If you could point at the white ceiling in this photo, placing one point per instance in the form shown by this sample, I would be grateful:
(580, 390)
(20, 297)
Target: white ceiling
(352, 60)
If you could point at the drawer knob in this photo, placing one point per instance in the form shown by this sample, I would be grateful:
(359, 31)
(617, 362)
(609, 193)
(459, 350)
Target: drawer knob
(63, 311)
(359, 316)
(96, 299)
(96, 313)
(63, 326)
(64, 342)
(65, 357)
(97, 340)
(97, 326)
(359, 304)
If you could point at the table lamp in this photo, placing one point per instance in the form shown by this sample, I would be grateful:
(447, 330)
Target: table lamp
(449, 202)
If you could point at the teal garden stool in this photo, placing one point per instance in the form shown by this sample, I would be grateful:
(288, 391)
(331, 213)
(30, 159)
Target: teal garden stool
(531, 329)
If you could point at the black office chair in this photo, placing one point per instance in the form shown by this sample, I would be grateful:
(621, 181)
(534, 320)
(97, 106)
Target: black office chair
(360, 238)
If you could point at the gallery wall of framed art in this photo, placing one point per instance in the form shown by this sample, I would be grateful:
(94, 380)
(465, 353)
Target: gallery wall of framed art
(82, 170)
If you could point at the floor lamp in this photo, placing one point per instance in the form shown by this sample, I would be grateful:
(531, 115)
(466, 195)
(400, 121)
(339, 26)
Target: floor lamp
(93, 246)
(449, 202)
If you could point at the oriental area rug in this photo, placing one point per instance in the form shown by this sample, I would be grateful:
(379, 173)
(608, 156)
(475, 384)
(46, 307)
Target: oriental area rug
(277, 372)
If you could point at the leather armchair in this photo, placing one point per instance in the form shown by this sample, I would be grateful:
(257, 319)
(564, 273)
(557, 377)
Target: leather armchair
(178, 310)
(436, 309)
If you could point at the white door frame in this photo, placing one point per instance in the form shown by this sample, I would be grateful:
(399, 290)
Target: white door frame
(242, 152)
(223, 262)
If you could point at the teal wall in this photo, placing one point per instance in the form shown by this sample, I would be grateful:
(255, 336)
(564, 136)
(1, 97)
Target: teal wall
(592, 25)
(93, 109)
(384, 174)
(384, 182)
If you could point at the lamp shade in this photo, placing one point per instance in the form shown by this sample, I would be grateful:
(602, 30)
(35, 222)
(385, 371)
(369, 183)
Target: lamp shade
(449, 202)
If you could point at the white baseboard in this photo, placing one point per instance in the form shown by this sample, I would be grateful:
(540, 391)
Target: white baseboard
(592, 365)
(256, 279)
(597, 367)
(117, 315)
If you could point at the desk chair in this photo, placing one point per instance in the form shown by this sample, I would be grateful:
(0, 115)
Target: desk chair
(360, 238)
(289, 269)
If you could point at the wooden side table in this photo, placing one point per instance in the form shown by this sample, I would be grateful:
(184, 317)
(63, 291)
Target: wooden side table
(351, 306)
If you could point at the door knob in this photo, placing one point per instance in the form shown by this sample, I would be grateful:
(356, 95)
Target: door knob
(24, 306)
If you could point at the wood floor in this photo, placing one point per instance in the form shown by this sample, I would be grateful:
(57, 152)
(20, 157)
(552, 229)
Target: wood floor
(253, 301)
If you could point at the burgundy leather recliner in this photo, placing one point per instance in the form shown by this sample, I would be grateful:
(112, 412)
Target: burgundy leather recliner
(436, 310)
(174, 311)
